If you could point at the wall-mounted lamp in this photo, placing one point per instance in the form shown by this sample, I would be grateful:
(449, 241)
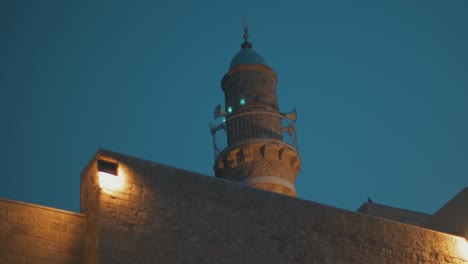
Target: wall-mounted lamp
(109, 177)
(108, 167)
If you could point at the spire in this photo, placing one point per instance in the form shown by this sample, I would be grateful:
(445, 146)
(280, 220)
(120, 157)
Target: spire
(246, 44)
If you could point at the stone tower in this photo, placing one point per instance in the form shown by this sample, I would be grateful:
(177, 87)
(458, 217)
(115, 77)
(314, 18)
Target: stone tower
(254, 143)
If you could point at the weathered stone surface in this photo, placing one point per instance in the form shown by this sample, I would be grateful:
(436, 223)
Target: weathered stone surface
(395, 214)
(30, 234)
(166, 215)
(256, 153)
(452, 218)
(183, 217)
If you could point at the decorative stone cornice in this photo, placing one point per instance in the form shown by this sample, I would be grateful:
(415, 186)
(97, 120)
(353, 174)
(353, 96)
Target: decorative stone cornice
(255, 151)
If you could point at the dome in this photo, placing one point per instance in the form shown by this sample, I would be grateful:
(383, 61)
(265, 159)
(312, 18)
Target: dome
(247, 56)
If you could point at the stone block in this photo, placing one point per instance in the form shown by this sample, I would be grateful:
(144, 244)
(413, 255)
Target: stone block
(119, 195)
(3, 215)
(12, 217)
(43, 223)
(72, 219)
(58, 226)
(19, 239)
(52, 245)
(109, 241)
(270, 152)
(247, 153)
(15, 249)
(13, 207)
(59, 216)
(4, 227)
(37, 211)
(25, 219)
(126, 187)
(56, 257)
(76, 229)
(231, 159)
(48, 214)
(4, 205)
(34, 242)
(64, 238)
(10, 258)
(20, 229)
(35, 232)
(4, 235)
(50, 235)
(32, 252)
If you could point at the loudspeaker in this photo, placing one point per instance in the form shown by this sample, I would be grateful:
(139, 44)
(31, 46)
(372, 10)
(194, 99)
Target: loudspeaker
(218, 112)
(289, 129)
(291, 115)
(214, 128)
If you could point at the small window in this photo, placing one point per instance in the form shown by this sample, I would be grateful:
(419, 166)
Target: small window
(242, 101)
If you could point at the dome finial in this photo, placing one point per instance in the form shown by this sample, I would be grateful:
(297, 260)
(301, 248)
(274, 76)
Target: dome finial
(246, 44)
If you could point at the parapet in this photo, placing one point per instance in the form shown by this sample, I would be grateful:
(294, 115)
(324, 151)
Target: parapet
(452, 218)
(178, 216)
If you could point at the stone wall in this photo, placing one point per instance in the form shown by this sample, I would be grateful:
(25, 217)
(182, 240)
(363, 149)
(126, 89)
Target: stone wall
(251, 161)
(90, 206)
(395, 214)
(166, 215)
(38, 234)
(452, 217)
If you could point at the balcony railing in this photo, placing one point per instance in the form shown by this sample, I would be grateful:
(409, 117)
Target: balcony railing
(253, 126)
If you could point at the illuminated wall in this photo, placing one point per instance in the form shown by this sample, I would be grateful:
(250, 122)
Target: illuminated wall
(176, 216)
(151, 213)
(38, 234)
(452, 218)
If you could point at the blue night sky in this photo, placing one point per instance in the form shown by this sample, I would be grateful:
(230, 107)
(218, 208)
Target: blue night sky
(380, 87)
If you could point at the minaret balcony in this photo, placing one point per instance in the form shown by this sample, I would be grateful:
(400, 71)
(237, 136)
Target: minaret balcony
(257, 126)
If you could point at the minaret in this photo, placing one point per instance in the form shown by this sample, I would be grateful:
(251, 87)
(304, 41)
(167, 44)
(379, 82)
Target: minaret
(254, 144)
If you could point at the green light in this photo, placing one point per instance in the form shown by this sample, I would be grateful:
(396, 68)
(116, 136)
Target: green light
(229, 109)
(242, 101)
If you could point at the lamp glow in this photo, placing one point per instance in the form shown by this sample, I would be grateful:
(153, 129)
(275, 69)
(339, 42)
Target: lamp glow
(109, 176)
(463, 248)
(109, 181)
(229, 109)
